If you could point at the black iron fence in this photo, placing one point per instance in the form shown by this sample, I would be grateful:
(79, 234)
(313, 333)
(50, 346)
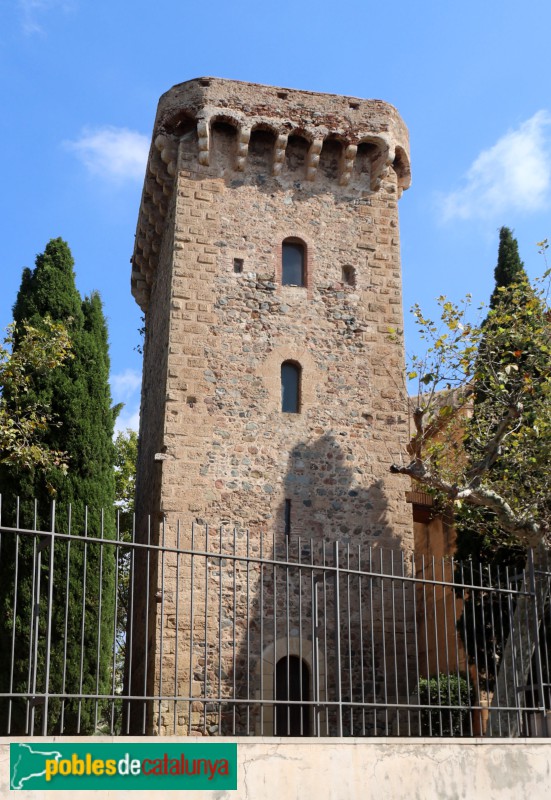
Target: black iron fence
(229, 632)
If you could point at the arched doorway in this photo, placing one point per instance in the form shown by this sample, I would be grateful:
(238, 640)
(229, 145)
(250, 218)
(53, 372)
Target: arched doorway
(292, 682)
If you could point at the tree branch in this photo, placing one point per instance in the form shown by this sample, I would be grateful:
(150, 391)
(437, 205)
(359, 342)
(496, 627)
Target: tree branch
(525, 528)
(492, 449)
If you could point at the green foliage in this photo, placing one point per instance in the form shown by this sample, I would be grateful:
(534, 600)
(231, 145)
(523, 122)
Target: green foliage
(509, 268)
(23, 419)
(512, 372)
(76, 394)
(483, 413)
(451, 697)
(126, 455)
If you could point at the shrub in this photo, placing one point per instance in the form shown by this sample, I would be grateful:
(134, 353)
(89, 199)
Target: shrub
(447, 700)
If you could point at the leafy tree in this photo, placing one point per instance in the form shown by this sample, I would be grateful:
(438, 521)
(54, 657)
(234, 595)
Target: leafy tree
(126, 456)
(78, 575)
(510, 434)
(479, 535)
(482, 442)
(23, 420)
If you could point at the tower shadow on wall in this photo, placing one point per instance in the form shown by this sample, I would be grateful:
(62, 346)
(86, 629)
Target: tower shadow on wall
(298, 645)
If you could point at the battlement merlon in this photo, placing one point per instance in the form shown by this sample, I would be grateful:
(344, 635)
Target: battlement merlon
(193, 107)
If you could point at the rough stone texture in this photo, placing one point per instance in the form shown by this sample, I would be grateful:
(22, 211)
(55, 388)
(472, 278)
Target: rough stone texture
(234, 170)
(356, 769)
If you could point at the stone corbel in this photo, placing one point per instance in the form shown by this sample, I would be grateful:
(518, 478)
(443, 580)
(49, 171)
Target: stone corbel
(243, 137)
(168, 150)
(348, 163)
(313, 159)
(279, 153)
(203, 141)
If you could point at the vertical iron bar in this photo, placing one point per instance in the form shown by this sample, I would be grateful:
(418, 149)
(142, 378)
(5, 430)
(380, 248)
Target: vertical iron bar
(444, 588)
(100, 596)
(338, 638)
(234, 634)
(315, 645)
(63, 681)
(426, 625)
(14, 616)
(176, 642)
(36, 626)
(485, 592)
(536, 627)
(436, 645)
(360, 622)
(147, 601)
(470, 688)
(83, 616)
(503, 666)
(248, 634)
(493, 638)
(300, 636)
(130, 624)
(220, 615)
(475, 640)
(287, 637)
(49, 624)
(372, 630)
(262, 731)
(416, 644)
(405, 624)
(115, 622)
(205, 629)
(383, 638)
(274, 577)
(161, 643)
(349, 634)
(191, 622)
(325, 635)
(394, 645)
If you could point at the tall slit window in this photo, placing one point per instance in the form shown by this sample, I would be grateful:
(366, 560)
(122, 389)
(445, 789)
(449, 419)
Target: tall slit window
(293, 272)
(290, 387)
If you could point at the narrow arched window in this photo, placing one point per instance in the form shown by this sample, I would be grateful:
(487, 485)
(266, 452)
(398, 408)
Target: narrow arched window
(293, 267)
(349, 275)
(290, 387)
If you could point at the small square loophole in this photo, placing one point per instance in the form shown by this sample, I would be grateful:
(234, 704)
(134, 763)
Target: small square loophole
(238, 265)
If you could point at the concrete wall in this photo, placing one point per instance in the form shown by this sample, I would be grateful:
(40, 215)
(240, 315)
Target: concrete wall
(359, 769)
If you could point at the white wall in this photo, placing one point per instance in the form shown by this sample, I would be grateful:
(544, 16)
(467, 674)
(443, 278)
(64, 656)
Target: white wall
(354, 769)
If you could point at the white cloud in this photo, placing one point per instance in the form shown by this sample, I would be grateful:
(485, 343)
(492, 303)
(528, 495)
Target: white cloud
(32, 9)
(114, 153)
(124, 387)
(513, 175)
(128, 419)
(124, 384)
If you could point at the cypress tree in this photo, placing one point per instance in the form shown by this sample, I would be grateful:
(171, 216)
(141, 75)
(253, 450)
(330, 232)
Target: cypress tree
(478, 536)
(509, 268)
(514, 307)
(80, 574)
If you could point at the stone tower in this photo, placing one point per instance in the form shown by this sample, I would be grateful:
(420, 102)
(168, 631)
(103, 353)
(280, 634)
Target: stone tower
(267, 264)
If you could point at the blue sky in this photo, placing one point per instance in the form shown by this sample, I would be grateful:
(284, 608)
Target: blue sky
(80, 81)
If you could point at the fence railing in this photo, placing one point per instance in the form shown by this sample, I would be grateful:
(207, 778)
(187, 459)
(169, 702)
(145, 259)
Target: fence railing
(229, 632)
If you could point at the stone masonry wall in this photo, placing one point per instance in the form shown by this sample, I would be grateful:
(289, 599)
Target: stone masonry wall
(235, 169)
